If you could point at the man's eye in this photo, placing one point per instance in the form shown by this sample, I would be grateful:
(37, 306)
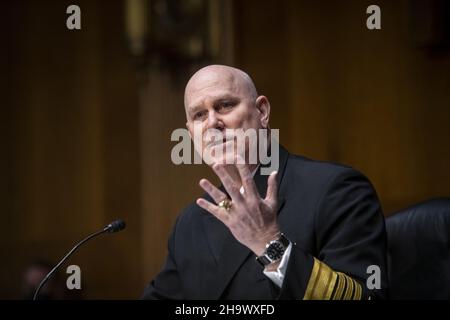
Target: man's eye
(226, 105)
(199, 115)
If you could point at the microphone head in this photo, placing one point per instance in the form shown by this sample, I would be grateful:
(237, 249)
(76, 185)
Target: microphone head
(116, 225)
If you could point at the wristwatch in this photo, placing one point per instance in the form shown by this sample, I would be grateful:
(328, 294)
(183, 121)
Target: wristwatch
(274, 250)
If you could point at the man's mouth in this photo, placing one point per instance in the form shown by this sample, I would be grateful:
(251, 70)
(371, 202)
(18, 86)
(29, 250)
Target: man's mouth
(219, 142)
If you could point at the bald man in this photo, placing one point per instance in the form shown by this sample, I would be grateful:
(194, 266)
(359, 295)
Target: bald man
(310, 230)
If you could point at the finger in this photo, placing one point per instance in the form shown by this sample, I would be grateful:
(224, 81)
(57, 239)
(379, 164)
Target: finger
(212, 190)
(213, 209)
(272, 189)
(228, 182)
(247, 179)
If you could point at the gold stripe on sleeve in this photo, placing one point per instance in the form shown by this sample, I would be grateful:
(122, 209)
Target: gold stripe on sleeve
(326, 284)
(348, 294)
(340, 287)
(321, 282)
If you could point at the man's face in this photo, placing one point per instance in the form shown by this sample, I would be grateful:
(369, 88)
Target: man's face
(219, 101)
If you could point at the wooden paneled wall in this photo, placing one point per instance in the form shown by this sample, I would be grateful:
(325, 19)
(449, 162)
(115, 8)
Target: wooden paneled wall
(86, 134)
(73, 146)
(339, 92)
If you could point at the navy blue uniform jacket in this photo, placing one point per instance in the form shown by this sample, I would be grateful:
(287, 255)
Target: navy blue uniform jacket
(331, 213)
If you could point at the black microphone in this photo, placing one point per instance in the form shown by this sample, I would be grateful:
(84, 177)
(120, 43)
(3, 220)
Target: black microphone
(114, 226)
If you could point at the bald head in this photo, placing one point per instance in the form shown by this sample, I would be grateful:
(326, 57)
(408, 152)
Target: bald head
(221, 98)
(222, 78)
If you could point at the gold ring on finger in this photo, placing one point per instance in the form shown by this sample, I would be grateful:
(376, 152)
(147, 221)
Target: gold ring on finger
(226, 204)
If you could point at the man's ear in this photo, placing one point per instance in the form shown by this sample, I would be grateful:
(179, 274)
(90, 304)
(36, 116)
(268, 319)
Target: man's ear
(263, 106)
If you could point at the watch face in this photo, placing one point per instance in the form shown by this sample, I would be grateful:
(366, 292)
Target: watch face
(275, 250)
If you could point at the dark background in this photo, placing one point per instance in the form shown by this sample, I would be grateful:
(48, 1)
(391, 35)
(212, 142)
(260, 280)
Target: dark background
(86, 124)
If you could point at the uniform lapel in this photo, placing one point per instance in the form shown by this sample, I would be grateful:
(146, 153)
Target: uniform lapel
(228, 253)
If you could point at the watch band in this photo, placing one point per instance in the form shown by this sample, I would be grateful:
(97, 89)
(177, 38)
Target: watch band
(274, 250)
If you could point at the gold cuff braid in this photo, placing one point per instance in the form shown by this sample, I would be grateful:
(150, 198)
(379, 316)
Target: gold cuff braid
(326, 284)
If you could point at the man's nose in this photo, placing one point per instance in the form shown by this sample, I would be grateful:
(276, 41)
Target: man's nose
(215, 121)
